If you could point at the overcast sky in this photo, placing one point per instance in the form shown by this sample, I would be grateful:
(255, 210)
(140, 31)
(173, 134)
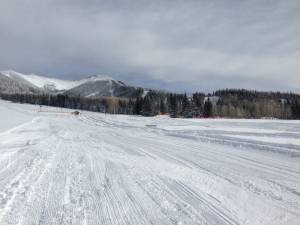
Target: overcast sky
(174, 45)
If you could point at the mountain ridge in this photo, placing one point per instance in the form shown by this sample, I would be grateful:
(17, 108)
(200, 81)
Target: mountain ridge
(91, 86)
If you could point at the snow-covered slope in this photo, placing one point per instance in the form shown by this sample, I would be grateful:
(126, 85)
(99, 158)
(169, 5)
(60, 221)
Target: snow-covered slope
(113, 169)
(97, 85)
(99, 77)
(13, 82)
(104, 86)
(51, 83)
(40, 82)
(60, 84)
(12, 115)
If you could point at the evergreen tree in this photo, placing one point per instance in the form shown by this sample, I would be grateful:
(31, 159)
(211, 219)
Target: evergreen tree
(162, 107)
(173, 105)
(208, 109)
(138, 106)
(146, 108)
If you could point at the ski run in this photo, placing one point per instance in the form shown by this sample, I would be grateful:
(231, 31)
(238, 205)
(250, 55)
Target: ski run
(58, 168)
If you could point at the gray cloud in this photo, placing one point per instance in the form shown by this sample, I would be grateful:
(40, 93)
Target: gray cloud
(175, 45)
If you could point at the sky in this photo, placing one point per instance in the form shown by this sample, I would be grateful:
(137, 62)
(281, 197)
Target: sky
(178, 45)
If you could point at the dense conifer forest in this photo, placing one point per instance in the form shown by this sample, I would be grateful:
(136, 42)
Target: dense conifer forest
(229, 103)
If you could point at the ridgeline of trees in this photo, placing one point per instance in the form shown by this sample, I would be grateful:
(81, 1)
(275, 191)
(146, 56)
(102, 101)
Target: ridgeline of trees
(242, 103)
(229, 103)
(99, 104)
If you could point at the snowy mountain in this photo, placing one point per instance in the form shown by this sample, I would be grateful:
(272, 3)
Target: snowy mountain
(104, 86)
(93, 86)
(12, 82)
(52, 84)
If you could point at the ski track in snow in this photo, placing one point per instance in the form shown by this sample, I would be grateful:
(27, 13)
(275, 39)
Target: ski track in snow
(106, 169)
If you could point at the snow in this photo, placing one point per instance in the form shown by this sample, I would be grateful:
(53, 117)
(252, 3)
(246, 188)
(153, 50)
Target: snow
(145, 92)
(92, 94)
(11, 116)
(98, 78)
(56, 168)
(54, 83)
(59, 84)
(272, 139)
(10, 73)
(5, 73)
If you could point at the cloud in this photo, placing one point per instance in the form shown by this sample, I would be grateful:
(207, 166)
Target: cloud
(175, 45)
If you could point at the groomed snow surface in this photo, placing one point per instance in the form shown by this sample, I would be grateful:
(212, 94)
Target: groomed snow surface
(56, 168)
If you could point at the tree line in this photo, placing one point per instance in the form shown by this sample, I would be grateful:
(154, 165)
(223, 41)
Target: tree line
(229, 103)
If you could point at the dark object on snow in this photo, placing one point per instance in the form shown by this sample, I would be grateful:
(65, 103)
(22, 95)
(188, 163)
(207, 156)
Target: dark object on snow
(150, 125)
(76, 113)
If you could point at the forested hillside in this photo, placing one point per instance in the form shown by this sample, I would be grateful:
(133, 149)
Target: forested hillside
(229, 103)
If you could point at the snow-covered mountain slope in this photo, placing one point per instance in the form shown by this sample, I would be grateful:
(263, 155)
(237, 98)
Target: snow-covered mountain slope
(97, 86)
(51, 83)
(13, 82)
(93, 86)
(113, 169)
(100, 77)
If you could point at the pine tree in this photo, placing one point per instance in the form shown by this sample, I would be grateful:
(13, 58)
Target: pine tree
(138, 106)
(162, 107)
(208, 109)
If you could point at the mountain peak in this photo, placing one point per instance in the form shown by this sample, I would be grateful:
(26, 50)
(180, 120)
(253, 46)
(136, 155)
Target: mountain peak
(99, 77)
(95, 85)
